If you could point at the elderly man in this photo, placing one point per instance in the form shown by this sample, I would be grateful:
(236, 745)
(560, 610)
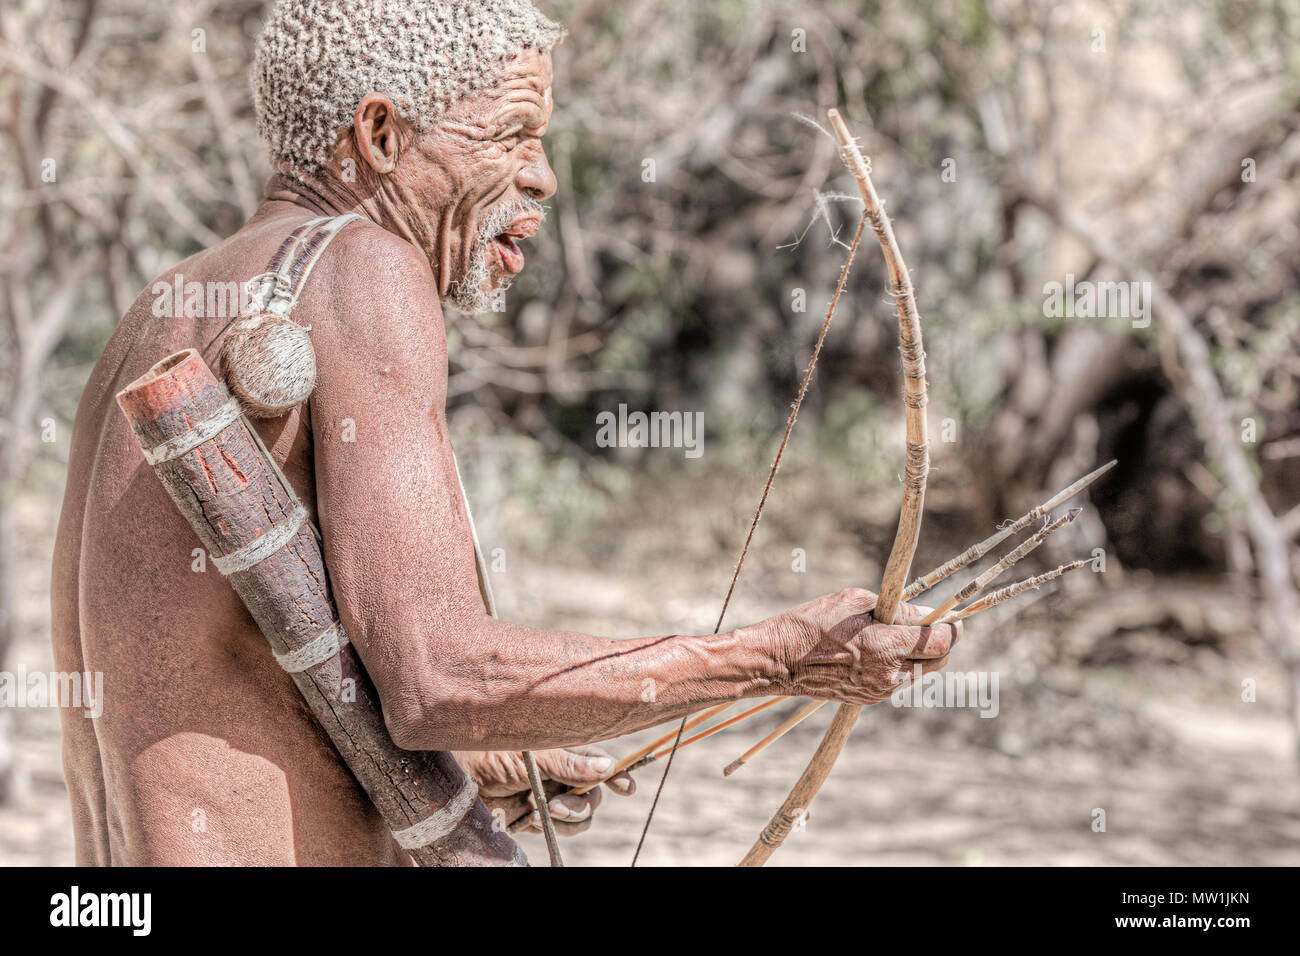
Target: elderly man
(426, 118)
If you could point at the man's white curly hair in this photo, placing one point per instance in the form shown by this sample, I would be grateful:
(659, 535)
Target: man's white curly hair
(316, 59)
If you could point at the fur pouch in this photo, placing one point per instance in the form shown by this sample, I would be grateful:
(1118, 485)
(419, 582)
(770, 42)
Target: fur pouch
(268, 363)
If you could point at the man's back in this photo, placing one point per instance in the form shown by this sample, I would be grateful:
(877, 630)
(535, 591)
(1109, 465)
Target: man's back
(204, 753)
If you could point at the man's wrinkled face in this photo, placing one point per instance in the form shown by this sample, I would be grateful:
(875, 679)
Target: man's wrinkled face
(486, 157)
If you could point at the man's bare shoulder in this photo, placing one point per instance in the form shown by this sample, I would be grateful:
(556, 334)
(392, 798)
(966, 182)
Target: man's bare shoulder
(379, 289)
(375, 316)
(375, 266)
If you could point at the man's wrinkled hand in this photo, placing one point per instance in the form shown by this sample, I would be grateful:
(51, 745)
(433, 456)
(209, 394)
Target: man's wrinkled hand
(503, 784)
(836, 650)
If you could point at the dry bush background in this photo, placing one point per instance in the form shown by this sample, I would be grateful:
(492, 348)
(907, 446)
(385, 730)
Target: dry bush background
(1115, 141)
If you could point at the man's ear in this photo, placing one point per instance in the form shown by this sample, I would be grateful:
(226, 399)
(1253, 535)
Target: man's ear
(375, 126)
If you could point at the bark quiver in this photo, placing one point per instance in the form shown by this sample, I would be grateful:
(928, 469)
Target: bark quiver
(222, 479)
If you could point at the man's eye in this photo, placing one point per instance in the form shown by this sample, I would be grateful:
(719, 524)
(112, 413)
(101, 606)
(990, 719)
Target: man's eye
(507, 138)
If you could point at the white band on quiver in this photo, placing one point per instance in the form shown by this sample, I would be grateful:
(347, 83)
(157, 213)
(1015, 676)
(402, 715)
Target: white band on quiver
(205, 430)
(316, 651)
(259, 549)
(439, 824)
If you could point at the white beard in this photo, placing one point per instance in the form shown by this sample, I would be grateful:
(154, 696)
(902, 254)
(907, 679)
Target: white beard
(471, 292)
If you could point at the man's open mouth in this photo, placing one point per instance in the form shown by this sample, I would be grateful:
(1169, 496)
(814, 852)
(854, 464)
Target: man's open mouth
(511, 256)
(507, 241)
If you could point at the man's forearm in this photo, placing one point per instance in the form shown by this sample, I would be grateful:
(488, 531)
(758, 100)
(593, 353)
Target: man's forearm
(502, 686)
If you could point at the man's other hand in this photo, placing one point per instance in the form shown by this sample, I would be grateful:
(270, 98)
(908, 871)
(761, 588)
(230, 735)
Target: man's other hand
(503, 784)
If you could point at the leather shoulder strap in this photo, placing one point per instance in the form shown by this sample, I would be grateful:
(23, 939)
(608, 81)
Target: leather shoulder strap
(293, 270)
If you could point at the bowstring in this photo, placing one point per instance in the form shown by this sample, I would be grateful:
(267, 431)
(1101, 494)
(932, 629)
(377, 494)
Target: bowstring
(762, 502)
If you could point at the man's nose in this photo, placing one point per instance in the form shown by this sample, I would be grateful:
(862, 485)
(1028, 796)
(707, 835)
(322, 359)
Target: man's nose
(536, 179)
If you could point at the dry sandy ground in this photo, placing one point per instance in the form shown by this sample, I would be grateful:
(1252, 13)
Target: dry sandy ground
(1216, 787)
(1207, 780)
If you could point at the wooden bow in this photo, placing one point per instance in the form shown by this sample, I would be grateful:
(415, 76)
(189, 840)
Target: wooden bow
(909, 520)
(909, 526)
(892, 592)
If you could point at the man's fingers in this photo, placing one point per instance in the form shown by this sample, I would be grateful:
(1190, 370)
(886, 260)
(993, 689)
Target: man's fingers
(563, 828)
(576, 766)
(572, 808)
(909, 671)
(514, 811)
(860, 600)
(622, 784)
(952, 632)
(927, 643)
(911, 613)
(572, 829)
(570, 812)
